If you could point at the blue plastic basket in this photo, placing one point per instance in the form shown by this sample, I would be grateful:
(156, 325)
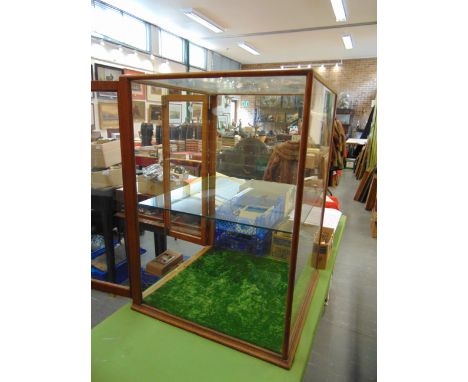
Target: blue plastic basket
(121, 269)
(243, 238)
(101, 250)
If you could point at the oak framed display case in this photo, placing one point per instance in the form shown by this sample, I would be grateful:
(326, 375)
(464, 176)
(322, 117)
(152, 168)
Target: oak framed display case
(239, 289)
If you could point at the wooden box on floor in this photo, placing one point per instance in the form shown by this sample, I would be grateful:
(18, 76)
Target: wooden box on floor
(321, 252)
(164, 262)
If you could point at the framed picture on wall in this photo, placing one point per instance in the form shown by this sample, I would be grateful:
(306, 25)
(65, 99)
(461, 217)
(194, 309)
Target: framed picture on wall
(108, 115)
(138, 110)
(154, 93)
(174, 91)
(107, 73)
(197, 112)
(175, 113)
(138, 90)
(154, 113)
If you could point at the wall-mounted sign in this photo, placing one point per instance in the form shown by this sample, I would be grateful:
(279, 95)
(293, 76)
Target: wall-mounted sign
(245, 103)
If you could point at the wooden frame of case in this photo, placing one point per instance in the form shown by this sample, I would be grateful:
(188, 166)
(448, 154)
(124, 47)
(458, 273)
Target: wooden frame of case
(291, 335)
(104, 286)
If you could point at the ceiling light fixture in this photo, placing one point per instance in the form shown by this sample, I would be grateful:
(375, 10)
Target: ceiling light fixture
(248, 48)
(338, 9)
(203, 20)
(347, 41)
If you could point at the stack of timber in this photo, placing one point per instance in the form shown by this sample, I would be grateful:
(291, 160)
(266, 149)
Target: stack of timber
(367, 190)
(361, 163)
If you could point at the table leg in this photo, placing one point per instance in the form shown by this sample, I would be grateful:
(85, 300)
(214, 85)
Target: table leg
(160, 243)
(108, 240)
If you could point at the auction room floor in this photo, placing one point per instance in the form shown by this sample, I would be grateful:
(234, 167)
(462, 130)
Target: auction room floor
(345, 346)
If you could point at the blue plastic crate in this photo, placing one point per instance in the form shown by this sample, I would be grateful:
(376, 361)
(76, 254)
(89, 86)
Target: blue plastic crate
(101, 250)
(243, 238)
(121, 269)
(147, 279)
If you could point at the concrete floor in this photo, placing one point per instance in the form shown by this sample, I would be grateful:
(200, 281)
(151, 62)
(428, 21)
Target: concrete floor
(345, 346)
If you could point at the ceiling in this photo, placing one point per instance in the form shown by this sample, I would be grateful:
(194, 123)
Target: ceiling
(269, 26)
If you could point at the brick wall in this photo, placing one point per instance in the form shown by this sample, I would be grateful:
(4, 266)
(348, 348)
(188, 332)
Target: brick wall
(356, 77)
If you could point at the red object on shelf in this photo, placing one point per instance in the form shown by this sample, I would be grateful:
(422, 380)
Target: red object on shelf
(145, 161)
(333, 203)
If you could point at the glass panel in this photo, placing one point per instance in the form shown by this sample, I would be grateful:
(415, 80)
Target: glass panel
(281, 85)
(185, 162)
(108, 255)
(148, 139)
(171, 46)
(116, 25)
(237, 284)
(315, 175)
(197, 56)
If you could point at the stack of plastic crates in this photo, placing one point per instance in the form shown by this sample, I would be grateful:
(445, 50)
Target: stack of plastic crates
(243, 238)
(243, 234)
(121, 267)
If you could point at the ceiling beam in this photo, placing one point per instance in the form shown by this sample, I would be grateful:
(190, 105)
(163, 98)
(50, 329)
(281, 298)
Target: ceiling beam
(286, 31)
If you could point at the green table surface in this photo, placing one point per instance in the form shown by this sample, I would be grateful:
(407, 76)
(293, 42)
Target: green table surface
(129, 346)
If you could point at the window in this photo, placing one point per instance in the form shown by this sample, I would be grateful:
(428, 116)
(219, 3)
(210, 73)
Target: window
(116, 25)
(171, 46)
(197, 56)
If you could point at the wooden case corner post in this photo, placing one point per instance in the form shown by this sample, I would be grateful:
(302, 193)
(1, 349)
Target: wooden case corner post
(129, 186)
(212, 126)
(297, 218)
(327, 166)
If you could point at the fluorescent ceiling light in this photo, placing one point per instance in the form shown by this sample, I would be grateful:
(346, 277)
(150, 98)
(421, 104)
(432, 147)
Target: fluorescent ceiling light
(203, 20)
(347, 41)
(339, 10)
(248, 48)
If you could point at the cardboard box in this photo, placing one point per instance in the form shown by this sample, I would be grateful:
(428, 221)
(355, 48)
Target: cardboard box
(164, 263)
(146, 186)
(111, 177)
(105, 154)
(281, 245)
(322, 252)
(312, 158)
(149, 187)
